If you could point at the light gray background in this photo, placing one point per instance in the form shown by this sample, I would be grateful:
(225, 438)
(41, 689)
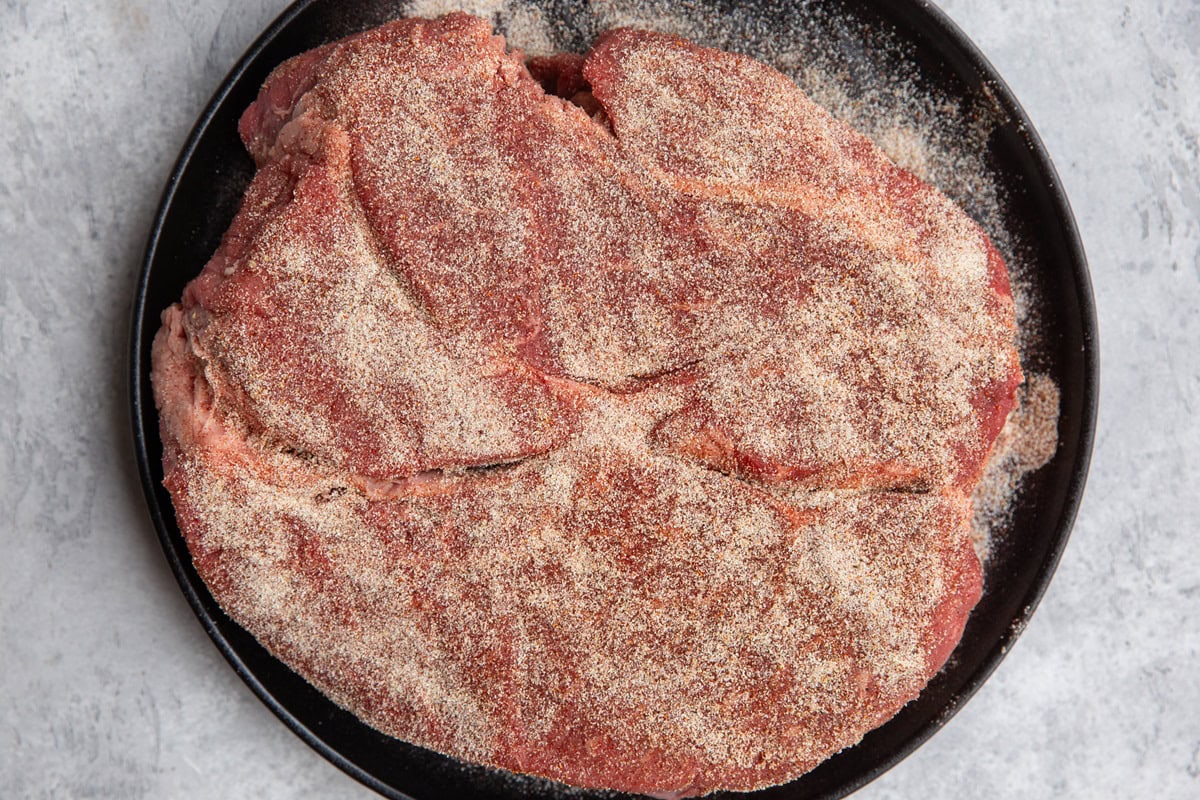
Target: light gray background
(108, 686)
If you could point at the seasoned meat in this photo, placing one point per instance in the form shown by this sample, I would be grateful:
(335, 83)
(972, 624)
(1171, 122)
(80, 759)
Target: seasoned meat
(623, 437)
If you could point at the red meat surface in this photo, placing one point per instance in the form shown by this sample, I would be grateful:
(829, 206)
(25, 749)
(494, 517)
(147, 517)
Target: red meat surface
(623, 438)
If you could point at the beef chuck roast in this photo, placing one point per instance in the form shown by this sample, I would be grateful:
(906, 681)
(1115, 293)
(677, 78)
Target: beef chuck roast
(625, 441)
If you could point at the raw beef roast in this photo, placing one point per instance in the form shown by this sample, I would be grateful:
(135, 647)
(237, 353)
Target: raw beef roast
(623, 437)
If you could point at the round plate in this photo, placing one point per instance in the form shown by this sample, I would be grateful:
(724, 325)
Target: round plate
(876, 49)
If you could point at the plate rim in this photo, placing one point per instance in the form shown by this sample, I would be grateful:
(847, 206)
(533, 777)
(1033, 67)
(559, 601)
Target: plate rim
(948, 34)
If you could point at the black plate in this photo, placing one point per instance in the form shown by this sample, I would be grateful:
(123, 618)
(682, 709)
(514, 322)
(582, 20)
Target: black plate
(866, 42)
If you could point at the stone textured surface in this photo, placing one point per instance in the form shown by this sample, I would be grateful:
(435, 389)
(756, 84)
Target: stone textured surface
(108, 686)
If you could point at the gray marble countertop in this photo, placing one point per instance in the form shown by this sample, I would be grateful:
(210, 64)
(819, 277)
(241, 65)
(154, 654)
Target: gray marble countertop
(108, 686)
